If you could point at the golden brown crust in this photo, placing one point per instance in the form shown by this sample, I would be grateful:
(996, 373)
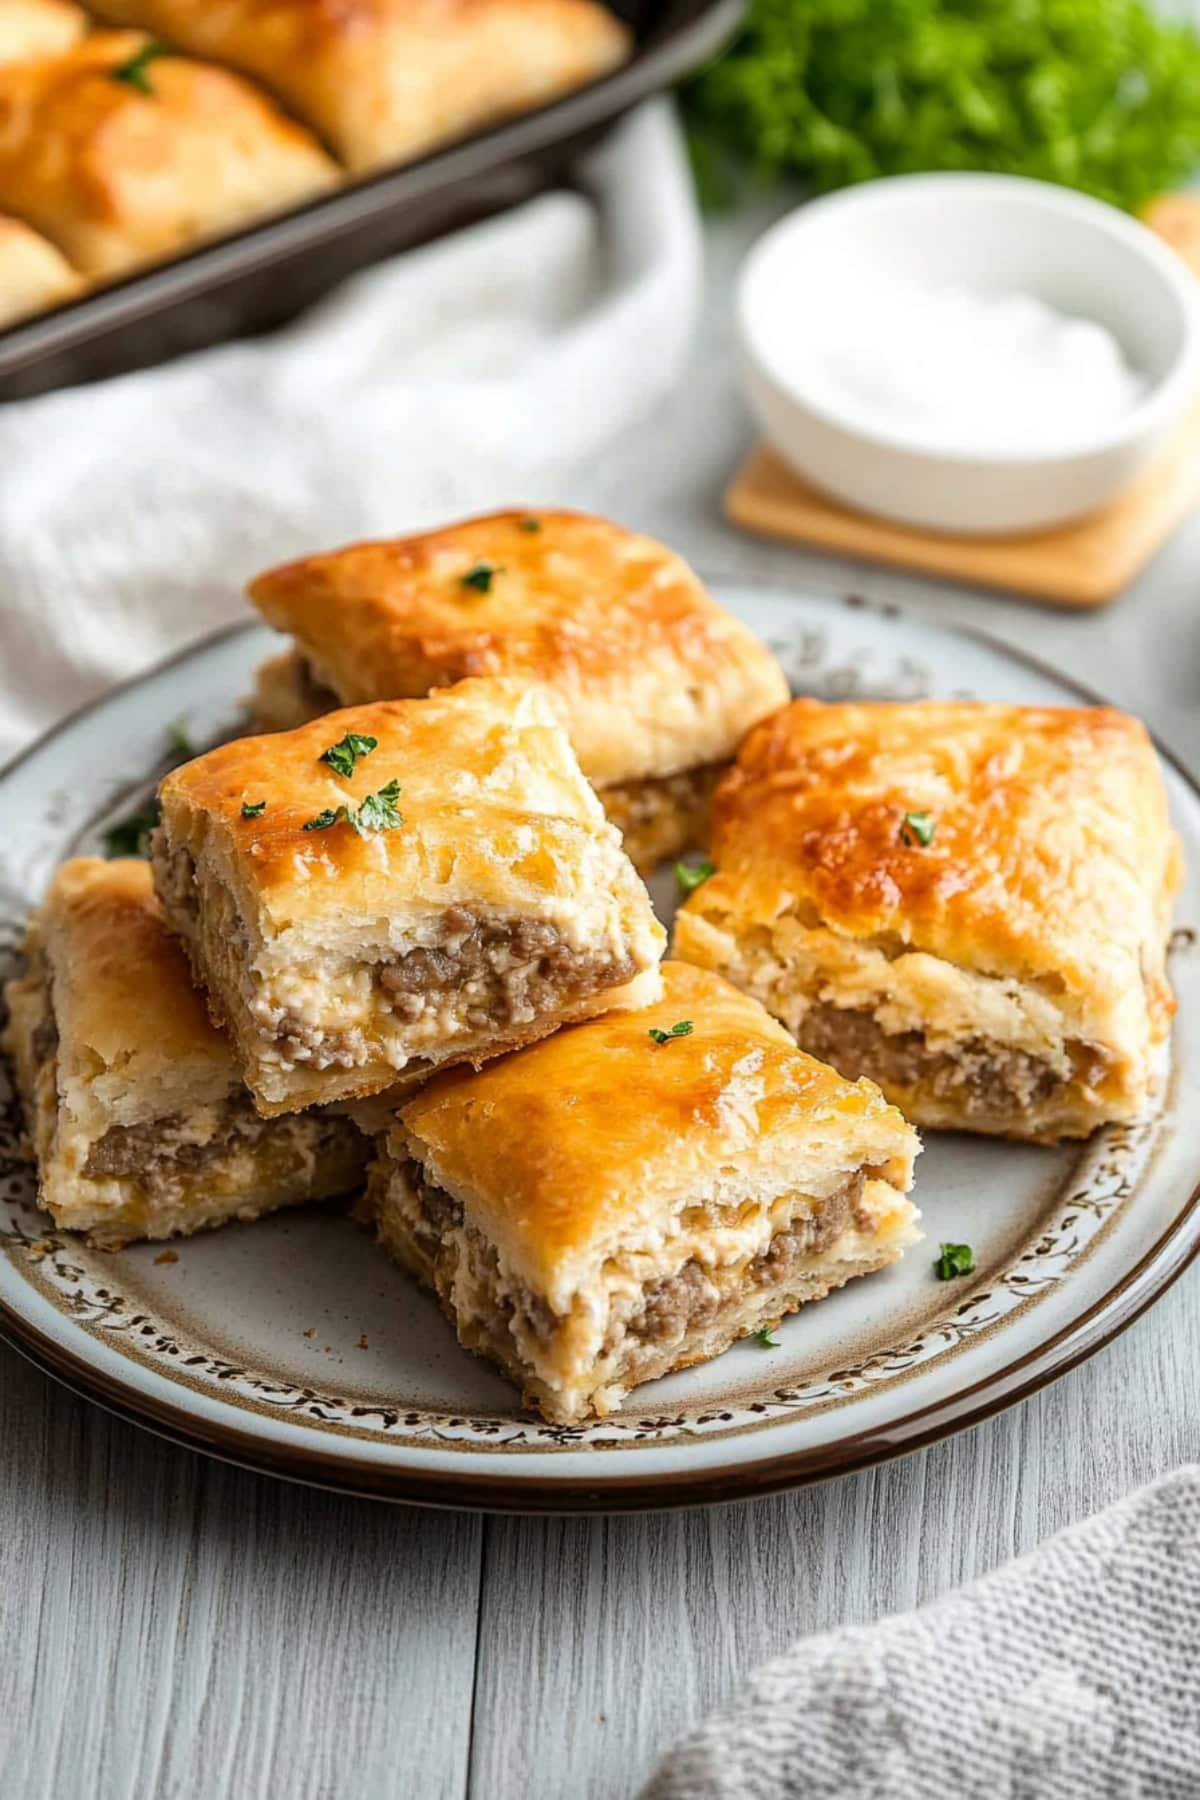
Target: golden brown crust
(117, 177)
(1051, 850)
(33, 276)
(578, 1141)
(134, 1104)
(1034, 921)
(659, 817)
(499, 905)
(649, 674)
(479, 766)
(123, 994)
(383, 81)
(38, 28)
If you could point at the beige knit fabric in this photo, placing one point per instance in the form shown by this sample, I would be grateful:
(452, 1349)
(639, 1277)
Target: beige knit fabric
(1071, 1674)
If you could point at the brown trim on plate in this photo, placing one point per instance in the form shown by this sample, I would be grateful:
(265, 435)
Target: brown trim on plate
(1104, 1321)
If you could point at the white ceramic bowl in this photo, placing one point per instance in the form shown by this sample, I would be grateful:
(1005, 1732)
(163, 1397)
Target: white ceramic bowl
(989, 232)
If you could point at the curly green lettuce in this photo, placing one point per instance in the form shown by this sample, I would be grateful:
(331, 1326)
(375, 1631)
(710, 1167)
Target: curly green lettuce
(1102, 95)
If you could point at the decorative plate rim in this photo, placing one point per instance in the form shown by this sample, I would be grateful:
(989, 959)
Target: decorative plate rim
(1098, 1324)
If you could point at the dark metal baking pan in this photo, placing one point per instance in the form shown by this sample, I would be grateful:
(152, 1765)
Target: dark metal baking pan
(267, 273)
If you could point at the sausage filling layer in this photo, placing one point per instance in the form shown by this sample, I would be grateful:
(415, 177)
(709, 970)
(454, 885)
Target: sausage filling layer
(484, 976)
(979, 1077)
(666, 1311)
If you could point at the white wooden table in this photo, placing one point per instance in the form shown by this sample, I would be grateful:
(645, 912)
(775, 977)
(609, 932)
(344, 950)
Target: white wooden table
(173, 1627)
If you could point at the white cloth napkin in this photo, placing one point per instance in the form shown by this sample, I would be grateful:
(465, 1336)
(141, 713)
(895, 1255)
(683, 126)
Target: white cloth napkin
(476, 372)
(1071, 1674)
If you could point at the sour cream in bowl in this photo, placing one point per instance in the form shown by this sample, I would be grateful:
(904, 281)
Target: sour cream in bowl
(967, 353)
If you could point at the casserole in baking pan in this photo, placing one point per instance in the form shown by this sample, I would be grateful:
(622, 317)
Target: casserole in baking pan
(292, 142)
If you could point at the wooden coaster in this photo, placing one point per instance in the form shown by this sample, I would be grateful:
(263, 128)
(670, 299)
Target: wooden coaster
(1084, 564)
(1176, 219)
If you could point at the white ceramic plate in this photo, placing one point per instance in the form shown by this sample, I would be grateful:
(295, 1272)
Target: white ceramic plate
(292, 1346)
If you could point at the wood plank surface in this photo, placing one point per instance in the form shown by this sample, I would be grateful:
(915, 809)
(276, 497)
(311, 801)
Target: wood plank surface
(172, 1626)
(619, 1633)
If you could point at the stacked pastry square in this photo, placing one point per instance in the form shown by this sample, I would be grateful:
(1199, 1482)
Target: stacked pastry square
(412, 919)
(969, 903)
(119, 147)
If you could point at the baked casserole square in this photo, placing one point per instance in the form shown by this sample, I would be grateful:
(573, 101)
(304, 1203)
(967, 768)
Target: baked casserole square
(655, 683)
(382, 81)
(970, 903)
(587, 1244)
(399, 886)
(33, 275)
(31, 28)
(138, 1116)
(121, 153)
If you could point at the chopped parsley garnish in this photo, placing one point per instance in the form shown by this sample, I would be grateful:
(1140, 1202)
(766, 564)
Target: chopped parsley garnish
(955, 1259)
(378, 812)
(134, 73)
(917, 828)
(481, 576)
(765, 1339)
(253, 809)
(529, 524)
(683, 1029)
(691, 875)
(177, 737)
(342, 756)
(130, 836)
